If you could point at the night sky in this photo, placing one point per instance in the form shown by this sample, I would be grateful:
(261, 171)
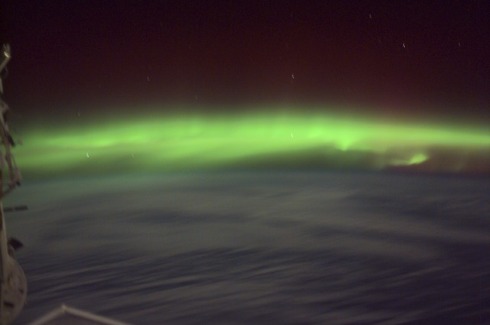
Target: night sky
(246, 84)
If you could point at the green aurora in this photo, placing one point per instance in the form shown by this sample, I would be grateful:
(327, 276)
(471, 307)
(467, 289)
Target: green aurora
(250, 141)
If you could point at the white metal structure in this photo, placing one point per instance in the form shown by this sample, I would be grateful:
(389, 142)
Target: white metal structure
(13, 284)
(69, 315)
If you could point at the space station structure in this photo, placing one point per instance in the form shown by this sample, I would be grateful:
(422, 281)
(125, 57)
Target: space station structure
(13, 283)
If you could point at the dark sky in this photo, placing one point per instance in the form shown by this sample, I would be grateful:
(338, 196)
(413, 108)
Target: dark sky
(410, 57)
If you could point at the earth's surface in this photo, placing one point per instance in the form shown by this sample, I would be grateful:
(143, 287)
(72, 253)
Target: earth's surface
(283, 248)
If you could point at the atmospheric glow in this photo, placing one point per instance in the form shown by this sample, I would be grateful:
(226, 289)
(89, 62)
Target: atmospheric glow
(417, 159)
(179, 143)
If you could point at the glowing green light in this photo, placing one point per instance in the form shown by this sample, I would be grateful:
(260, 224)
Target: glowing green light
(417, 159)
(413, 159)
(170, 143)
